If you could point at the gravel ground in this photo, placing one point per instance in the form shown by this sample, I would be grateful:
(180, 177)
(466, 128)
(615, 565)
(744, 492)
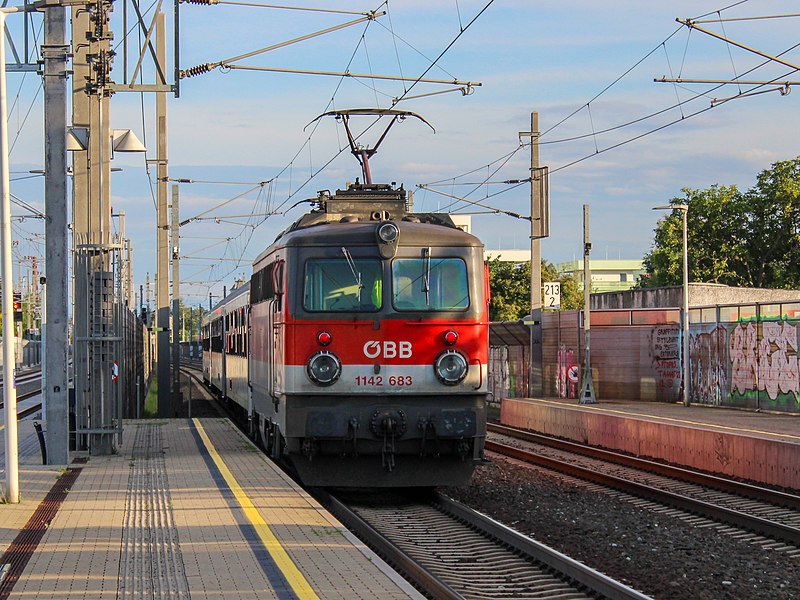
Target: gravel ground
(659, 555)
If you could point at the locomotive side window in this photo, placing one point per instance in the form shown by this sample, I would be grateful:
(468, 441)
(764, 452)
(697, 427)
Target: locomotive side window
(430, 284)
(342, 285)
(261, 285)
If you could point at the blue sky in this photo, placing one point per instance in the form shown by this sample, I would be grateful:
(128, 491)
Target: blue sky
(551, 56)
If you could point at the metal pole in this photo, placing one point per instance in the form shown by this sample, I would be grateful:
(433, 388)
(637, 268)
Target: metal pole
(536, 263)
(687, 382)
(176, 304)
(587, 389)
(10, 385)
(43, 345)
(162, 283)
(535, 384)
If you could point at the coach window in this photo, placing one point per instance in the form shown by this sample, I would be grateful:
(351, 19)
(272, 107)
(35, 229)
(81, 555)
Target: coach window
(337, 285)
(429, 284)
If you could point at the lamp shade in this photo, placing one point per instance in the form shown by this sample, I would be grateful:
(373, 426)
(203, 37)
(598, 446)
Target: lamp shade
(124, 140)
(77, 139)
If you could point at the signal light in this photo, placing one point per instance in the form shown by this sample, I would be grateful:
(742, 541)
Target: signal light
(324, 338)
(450, 337)
(17, 303)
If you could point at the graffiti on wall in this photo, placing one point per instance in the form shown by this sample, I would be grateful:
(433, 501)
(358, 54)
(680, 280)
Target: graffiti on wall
(665, 353)
(743, 346)
(768, 364)
(708, 365)
(567, 373)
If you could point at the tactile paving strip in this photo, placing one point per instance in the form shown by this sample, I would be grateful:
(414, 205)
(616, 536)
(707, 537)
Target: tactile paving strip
(151, 564)
(16, 557)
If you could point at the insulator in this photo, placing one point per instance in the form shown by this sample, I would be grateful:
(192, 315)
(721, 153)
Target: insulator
(198, 70)
(206, 2)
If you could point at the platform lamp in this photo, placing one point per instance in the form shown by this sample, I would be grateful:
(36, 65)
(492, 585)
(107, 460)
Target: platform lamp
(684, 208)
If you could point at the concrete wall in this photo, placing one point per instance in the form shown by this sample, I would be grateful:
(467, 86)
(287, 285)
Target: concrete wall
(700, 294)
(629, 362)
(757, 459)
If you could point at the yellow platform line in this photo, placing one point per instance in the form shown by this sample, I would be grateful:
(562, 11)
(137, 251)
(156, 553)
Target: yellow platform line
(683, 421)
(293, 576)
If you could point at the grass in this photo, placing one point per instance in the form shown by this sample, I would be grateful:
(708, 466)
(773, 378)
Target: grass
(151, 402)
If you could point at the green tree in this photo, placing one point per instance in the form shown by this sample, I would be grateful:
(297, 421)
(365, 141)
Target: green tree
(745, 239)
(772, 229)
(510, 284)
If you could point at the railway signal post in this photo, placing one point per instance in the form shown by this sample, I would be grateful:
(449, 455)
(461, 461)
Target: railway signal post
(540, 228)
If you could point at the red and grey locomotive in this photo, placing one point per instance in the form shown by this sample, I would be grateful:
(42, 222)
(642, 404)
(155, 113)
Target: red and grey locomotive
(365, 342)
(359, 348)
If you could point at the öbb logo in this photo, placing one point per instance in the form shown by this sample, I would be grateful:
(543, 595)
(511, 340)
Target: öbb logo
(373, 349)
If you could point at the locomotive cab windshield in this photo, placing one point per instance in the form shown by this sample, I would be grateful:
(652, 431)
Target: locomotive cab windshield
(343, 285)
(428, 284)
(356, 284)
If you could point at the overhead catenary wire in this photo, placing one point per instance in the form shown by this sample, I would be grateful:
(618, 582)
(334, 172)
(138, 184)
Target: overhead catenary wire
(276, 6)
(288, 167)
(594, 134)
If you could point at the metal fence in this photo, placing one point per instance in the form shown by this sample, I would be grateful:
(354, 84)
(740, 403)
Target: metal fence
(740, 356)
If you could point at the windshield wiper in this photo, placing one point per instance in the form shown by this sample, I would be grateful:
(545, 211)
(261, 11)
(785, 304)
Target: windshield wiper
(426, 276)
(353, 269)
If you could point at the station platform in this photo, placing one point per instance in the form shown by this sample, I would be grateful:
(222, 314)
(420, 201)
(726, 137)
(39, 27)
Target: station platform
(184, 509)
(756, 446)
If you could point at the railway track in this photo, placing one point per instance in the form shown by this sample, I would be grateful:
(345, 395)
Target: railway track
(450, 551)
(770, 517)
(28, 410)
(25, 373)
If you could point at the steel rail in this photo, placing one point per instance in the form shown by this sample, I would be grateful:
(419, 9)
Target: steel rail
(29, 411)
(25, 396)
(574, 570)
(718, 513)
(26, 375)
(418, 574)
(573, 573)
(754, 492)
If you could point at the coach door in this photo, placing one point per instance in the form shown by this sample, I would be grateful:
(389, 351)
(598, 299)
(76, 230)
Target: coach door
(269, 347)
(276, 357)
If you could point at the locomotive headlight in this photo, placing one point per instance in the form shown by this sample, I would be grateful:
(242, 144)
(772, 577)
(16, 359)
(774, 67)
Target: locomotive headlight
(450, 367)
(324, 368)
(388, 232)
